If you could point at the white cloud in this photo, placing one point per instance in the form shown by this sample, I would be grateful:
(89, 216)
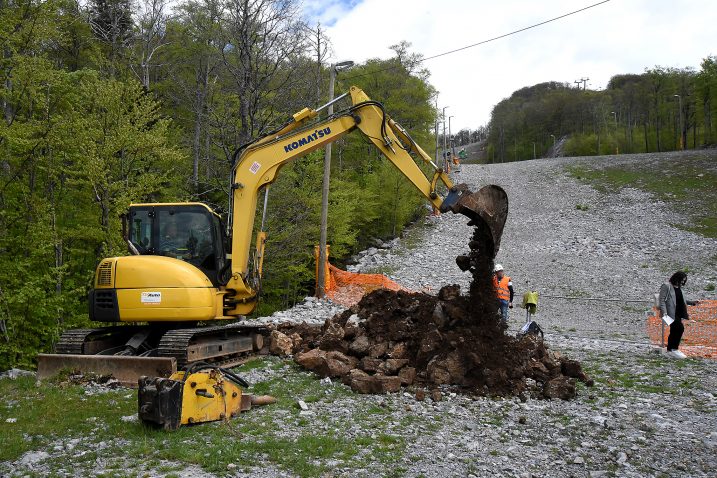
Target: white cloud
(622, 36)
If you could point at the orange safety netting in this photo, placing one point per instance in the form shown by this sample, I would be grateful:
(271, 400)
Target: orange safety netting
(347, 288)
(700, 337)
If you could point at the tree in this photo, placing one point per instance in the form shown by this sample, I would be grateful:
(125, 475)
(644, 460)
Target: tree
(149, 38)
(264, 42)
(111, 22)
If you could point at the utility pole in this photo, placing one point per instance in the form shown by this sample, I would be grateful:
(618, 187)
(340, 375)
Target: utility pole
(682, 144)
(321, 279)
(578, 82)
(437, 131)
(444, 136)
(450, 137)
(585, 82)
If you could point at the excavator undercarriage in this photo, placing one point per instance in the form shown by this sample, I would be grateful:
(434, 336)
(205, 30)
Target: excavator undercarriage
(130, 351)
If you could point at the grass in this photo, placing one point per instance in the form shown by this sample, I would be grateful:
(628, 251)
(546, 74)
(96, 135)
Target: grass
(54, 413)
(688, 182)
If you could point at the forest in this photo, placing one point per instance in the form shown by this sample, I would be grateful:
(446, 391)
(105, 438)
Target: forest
(662, 109)
(111, 102)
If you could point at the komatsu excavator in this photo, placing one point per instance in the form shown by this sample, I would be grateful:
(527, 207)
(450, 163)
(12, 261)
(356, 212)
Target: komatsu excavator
(185, 268)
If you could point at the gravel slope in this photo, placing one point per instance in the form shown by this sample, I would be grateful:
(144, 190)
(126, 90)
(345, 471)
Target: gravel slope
(622, 246)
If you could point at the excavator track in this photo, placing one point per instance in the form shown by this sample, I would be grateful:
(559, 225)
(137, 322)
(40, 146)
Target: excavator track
(211, 344)
(72, 341)
(92, 341)
(82, 350)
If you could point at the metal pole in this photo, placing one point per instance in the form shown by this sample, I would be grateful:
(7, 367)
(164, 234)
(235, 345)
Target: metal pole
(444, 137)
(266, 201)
(321, 279)
(444, 145)
(437, 161)
(450, 137)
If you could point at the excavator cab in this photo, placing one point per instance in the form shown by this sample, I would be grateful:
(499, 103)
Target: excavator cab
(190, 232)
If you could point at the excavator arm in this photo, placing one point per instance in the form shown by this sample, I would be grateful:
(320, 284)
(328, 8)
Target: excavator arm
(257, 165)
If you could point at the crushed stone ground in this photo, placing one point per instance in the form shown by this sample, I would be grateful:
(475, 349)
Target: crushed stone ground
(643, 407)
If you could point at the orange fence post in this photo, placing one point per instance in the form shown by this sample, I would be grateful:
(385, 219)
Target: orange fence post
(327, 277)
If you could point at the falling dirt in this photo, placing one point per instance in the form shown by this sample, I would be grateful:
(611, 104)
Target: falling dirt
(392, 339)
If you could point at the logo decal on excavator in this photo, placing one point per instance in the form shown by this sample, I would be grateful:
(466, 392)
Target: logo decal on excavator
(319, 133)
(151, 298)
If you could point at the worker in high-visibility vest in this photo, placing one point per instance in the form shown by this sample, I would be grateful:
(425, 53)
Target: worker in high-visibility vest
(504, 292)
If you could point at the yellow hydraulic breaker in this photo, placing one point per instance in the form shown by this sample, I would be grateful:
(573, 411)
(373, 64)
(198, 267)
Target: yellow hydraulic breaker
(202, 393)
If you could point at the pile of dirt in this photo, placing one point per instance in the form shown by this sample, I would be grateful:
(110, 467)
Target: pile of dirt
(396, 338)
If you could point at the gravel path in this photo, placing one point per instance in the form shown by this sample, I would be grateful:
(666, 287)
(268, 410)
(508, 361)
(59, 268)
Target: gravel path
(647, 415)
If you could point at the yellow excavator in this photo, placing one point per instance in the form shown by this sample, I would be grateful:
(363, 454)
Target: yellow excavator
(185, 267)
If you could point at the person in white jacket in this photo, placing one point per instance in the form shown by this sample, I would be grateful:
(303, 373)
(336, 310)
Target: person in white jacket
(673, 308)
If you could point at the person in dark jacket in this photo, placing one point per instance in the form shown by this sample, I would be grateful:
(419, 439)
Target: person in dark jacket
(673, 308)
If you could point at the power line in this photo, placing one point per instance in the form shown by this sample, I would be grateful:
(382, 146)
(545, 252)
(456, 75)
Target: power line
(483, 42)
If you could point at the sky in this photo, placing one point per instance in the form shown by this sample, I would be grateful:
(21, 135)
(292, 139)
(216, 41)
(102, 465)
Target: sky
(620, 36)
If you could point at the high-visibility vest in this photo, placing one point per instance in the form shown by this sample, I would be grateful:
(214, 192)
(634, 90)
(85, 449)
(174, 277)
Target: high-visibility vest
(501, 287)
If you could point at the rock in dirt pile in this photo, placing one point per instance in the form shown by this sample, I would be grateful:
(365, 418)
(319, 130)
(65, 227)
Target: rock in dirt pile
(396, 338)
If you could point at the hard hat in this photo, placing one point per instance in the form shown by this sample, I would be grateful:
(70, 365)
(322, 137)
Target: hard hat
(497, 268)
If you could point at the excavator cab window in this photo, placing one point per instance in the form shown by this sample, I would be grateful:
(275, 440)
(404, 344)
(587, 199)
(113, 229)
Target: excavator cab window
(186, 232)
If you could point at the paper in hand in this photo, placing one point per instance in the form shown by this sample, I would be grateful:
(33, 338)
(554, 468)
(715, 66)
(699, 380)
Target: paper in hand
(667, 319)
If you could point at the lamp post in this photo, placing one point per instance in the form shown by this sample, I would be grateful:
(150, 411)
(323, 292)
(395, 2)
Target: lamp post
(682, 145)
(321, 279)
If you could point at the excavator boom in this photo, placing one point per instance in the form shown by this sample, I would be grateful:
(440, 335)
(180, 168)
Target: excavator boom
(258, 164)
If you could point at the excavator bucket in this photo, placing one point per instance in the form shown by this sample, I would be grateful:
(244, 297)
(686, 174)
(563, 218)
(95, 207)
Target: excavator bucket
(487, 210)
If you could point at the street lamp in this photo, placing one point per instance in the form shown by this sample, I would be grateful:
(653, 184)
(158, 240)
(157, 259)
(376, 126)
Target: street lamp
(334, 69)
(682, 145)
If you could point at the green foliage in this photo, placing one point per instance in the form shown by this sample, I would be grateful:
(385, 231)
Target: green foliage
(75, 149)
(81, 139)
(662, 109)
